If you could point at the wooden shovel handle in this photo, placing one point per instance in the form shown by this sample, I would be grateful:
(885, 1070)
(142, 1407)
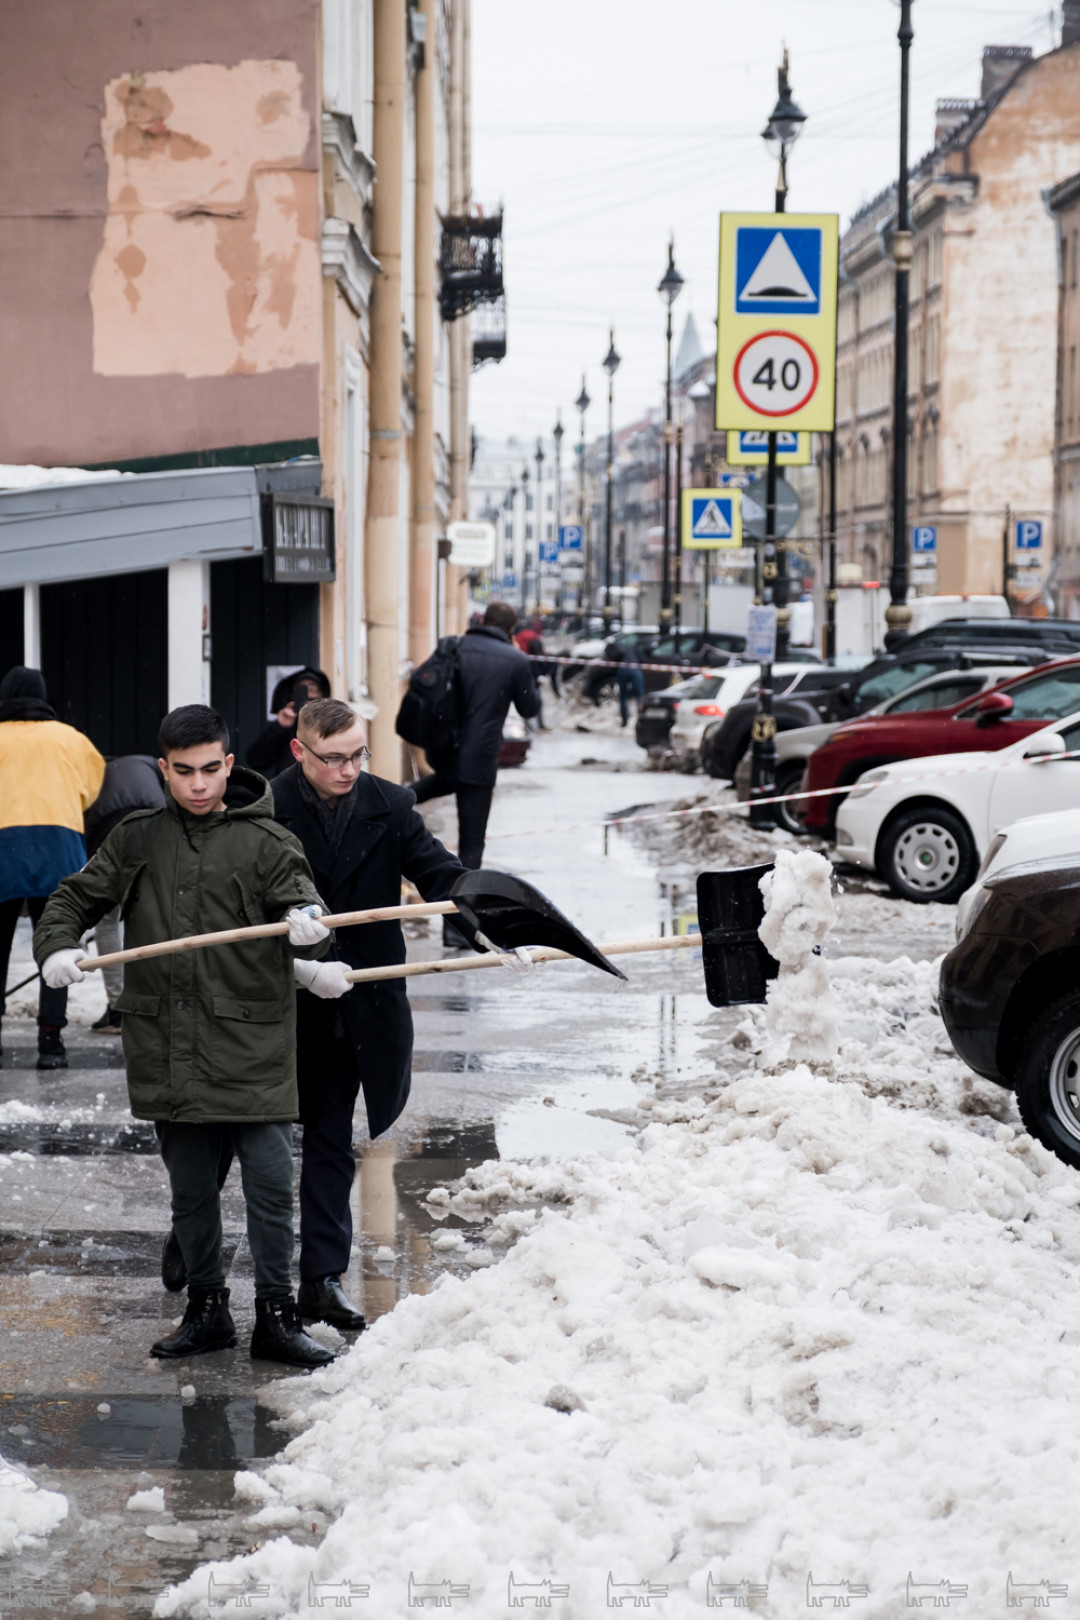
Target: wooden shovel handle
(231, 936)
(540, 953)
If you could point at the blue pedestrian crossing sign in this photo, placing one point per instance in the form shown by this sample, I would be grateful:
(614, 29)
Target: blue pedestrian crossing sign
(778, 271)
(1029, 533)
(509, 581)
(570, 536)
(924, 538)
(751, 448)
(711, 519)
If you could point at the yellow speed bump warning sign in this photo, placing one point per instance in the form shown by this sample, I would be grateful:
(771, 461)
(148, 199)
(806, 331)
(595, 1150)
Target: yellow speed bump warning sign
(776, 322)
(711, 519)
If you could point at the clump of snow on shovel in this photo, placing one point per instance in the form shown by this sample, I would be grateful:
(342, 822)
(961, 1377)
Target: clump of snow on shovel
(801, 1013)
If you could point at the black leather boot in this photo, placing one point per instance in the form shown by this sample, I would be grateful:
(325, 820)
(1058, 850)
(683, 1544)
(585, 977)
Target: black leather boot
(324, 1300)
(173, 1269)
(207, 1326)
(52, 1053)
(279, 1336)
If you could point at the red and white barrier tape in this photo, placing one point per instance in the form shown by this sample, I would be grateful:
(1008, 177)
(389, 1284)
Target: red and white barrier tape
(735, 807)
(662, 669)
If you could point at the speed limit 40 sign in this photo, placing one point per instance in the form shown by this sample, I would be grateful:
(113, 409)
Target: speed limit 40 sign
(776, 322)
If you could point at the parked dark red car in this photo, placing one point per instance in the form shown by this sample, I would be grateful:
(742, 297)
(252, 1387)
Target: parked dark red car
(992, 721)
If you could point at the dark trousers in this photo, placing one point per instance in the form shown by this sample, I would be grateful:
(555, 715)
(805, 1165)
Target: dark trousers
(194, 1156)
(631, 684)
(52, 1004)
(328, 1080)
(473, 809)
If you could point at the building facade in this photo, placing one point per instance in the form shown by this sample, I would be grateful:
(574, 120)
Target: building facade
(224, 253)
(1064, 582)
(983, 328)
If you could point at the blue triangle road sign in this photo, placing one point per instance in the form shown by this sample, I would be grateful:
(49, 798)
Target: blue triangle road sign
(778, 271)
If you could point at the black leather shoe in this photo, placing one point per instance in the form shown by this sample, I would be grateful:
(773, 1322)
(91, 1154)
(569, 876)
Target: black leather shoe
(324, 1300)
(173, 1269)
(207, 1326)
(279, 1336)
(52, 1054)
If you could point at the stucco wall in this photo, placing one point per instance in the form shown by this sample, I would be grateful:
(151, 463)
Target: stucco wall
(158, 228)
(1001, 290)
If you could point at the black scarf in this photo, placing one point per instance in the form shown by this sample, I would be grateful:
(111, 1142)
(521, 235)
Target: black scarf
(333, 817)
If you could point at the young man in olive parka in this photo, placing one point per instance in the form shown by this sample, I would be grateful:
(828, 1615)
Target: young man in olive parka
(209, 1035)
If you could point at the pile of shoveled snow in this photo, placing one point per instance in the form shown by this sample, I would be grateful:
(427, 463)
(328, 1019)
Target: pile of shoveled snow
(27, 1512)
(796, 1331)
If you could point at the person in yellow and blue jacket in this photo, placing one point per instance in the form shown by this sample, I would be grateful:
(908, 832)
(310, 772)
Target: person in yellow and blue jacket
(50, 774)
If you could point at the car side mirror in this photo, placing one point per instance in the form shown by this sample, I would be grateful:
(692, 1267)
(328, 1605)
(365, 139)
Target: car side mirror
(1044, 744)
(991, 707)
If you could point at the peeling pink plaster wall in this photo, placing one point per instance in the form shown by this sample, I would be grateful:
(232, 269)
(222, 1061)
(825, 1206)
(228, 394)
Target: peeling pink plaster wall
(209, 261)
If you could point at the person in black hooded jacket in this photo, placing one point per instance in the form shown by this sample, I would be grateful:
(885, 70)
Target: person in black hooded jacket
(271, 752)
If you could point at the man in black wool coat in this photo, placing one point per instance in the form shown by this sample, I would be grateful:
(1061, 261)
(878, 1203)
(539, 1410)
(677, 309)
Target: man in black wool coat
(361, 836)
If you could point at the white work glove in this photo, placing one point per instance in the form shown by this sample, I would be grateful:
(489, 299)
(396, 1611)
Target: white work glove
(61, 969)
(324, 979)
(304, 925)
(518, 959)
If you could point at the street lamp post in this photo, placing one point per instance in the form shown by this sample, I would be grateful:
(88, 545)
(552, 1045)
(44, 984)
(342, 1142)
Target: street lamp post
(780, 134)
(669, 289)
(539, 459)
(898, 614)
(677, 598)
(611, 362)
(557, 434)
(581, 405)
(524, 532)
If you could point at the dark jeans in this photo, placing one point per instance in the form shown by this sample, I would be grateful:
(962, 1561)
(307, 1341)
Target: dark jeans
(631, 684)
(193, 1156)
(329, 1082)
(52, 1004)
(473, 809)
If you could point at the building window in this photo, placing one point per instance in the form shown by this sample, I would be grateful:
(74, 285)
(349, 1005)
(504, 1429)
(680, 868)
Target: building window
(551, 531)
(528, 531)
(528, 503)
(1072, 386)
(508, 530)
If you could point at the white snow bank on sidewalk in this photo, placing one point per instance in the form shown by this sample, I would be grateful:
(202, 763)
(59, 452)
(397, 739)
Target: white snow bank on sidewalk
(799, 1330)
(26, 1511)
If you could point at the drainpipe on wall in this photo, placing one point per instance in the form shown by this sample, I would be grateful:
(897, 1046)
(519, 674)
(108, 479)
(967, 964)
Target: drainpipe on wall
(459, 332)
(422, 535)
(383, 541)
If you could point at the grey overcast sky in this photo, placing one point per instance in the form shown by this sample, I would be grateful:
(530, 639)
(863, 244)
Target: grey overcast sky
(604, 125)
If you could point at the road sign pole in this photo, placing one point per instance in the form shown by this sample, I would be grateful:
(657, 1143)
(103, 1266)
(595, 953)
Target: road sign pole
(830, 587)
(1006, 570)
(677, 598)
(763, 746)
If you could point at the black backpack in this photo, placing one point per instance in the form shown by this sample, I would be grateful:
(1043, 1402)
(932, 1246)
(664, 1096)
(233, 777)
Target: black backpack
(431, 710)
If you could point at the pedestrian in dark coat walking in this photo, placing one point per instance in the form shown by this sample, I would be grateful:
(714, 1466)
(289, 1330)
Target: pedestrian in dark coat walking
(361, 836)
(494, 674)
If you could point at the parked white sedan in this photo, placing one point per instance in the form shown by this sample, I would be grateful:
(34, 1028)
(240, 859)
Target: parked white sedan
(925, 824)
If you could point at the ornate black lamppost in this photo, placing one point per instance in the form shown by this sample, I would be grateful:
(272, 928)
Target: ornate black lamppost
(611, 363)
(671, 284)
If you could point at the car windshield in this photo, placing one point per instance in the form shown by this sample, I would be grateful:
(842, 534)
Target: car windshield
(704, 686)
(890, 681)
(1048, 696)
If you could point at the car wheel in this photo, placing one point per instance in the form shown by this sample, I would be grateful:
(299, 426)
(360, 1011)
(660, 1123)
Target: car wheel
(1048, 1079)
(789, 780)
(927, 854)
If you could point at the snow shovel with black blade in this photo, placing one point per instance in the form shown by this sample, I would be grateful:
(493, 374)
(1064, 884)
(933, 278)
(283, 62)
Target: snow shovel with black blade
(730, 909)
(508, 912)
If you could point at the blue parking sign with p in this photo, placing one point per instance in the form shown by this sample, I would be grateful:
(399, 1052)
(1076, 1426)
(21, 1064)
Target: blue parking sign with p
(570, 536)
(1029, 534)
(924, 538)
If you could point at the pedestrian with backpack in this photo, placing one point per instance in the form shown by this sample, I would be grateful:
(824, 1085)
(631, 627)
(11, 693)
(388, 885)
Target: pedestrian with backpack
(462, 748)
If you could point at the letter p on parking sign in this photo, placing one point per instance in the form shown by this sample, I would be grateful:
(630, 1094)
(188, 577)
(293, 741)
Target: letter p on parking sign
(776, 322)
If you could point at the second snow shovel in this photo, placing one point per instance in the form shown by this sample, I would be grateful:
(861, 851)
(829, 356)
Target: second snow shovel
(509, 912)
